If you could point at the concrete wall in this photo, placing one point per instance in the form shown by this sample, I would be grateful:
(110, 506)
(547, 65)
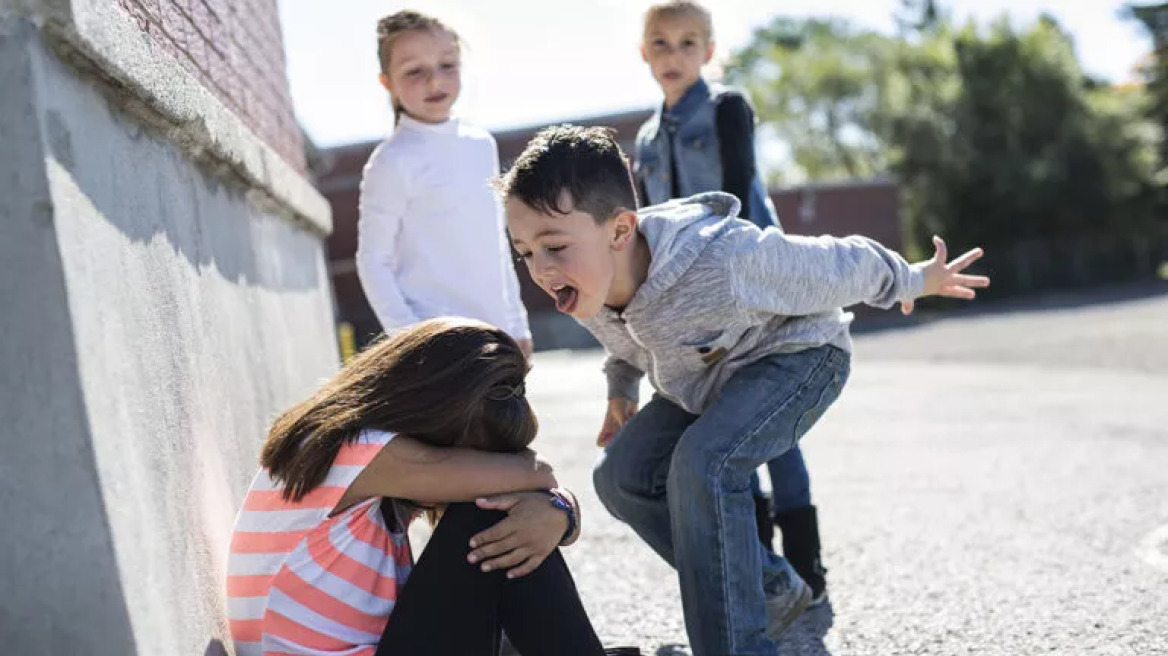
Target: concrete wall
(163, 294)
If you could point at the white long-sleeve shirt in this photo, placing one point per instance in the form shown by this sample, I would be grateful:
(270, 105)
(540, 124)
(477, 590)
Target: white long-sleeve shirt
(432, 237)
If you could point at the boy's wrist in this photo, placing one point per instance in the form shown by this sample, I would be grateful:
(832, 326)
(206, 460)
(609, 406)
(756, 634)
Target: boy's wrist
(918, 282)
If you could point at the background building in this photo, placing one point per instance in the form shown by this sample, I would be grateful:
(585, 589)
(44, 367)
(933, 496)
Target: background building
(163, 294)
(869, 208)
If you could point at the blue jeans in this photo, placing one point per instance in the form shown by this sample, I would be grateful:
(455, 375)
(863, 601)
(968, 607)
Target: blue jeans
(790, 483)
(682, 482)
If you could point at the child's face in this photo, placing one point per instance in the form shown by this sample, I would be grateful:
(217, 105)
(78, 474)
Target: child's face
(424, 74)
(569, 256)
(676, 48)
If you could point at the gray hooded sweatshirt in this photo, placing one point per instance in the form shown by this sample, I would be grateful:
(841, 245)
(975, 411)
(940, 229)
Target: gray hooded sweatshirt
(722, 294)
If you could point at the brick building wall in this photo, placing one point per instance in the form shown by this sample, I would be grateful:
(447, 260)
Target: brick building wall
(338, 177)
(235, 48)
(855, 207)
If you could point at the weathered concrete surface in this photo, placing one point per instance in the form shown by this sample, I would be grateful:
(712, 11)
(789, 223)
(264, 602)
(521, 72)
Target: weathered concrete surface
(990, 484)
(153, 319)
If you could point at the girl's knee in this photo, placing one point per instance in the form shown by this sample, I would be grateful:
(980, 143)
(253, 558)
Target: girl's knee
(467, 519)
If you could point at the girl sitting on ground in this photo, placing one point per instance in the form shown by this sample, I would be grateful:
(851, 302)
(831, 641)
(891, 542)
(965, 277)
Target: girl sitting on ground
(434, 418)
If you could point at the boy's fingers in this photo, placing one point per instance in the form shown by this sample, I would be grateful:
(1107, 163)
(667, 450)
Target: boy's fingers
(954, 291)
(970, 281)
(906, 307)
(608, 431)
(942, 250)
(966, 259)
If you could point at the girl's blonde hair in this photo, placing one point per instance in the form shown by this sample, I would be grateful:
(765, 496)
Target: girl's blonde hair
(391, 27)
(679, 8)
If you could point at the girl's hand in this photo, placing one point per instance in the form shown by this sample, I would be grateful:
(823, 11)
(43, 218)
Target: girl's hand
(943, 279)
(532, 530)
(619, 411)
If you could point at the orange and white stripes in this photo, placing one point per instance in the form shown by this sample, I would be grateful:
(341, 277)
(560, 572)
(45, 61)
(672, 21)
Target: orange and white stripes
(301, 583)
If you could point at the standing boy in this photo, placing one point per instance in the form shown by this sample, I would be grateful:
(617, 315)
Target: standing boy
(702, 139)
(742, 335)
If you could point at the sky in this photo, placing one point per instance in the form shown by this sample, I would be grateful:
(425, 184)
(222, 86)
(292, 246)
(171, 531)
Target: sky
(537, 61)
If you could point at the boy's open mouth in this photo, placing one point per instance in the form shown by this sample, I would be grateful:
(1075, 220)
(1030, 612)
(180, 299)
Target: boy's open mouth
(566, 297)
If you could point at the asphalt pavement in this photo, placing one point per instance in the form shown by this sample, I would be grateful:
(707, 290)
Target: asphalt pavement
(991, 482)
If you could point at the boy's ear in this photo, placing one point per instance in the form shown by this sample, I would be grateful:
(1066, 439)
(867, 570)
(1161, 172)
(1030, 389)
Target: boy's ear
(624, 229)
(709, 51)
(384, 80)
(644, 53)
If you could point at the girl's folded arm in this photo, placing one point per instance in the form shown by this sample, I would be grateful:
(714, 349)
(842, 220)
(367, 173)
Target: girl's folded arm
(408, 469)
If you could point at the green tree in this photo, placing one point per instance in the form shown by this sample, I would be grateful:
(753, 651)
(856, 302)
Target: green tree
(995, 133)
(918, 15)
(1021, 152)
(811, 82)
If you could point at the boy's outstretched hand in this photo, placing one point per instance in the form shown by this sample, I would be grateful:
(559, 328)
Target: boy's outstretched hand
(947, 279)
(619, 412)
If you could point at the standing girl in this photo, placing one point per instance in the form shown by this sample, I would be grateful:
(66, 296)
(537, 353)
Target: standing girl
(432, 238)
(434, 416)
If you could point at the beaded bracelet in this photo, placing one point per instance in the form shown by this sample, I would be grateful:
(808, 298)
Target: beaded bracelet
(560, 500)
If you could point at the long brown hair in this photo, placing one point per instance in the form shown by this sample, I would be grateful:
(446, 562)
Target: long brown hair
(445, 382)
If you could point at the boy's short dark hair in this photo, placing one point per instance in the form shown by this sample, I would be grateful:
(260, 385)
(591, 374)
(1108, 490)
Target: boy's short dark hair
(587, 163)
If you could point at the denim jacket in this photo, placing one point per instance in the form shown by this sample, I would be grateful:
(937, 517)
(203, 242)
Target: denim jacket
(689, 129)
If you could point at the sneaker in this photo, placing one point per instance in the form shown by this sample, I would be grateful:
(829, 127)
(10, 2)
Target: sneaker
(784, 609)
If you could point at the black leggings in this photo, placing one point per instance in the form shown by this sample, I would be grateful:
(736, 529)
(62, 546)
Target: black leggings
(449, 606)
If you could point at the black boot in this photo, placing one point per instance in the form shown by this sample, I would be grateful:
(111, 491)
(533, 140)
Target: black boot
(762, 514)
(800, 529)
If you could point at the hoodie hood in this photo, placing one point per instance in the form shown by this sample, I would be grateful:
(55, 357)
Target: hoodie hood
(677, 232)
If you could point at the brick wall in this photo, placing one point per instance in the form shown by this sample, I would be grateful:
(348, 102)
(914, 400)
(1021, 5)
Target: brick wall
(236, 50)
(858, 207)
(338, 178)
(864, 207)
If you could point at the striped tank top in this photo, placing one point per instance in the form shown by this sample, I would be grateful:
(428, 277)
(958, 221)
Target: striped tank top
(302, 583)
